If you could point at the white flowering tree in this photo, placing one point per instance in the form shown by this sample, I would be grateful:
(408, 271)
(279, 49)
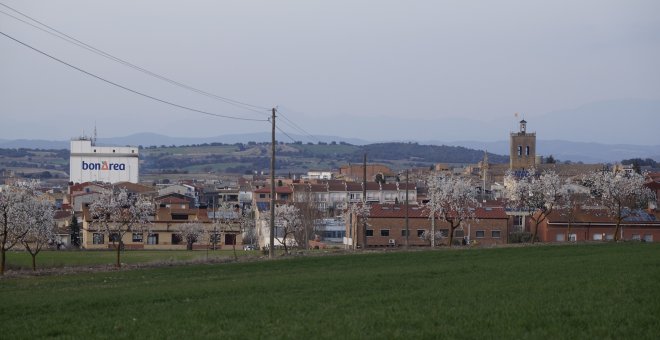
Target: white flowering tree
(432, 209)
(39, 227)
(536, 196)
(432, 237)
(454, 199)
(361, 213)
(287, 222)
(190, 233)
(248, 226)
(119, 212)
(621, 196)
(14, 210)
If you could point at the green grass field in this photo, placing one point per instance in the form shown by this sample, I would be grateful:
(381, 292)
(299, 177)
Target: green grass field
(22, 261)
(541, 292)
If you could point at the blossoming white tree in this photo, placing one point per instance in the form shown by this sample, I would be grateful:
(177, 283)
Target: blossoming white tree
(537, 196)
(361, 213)
(190, 232)
(454, 200)
(39, 227)
(287, 222)
(621, 196)
(14, 209)
(119, 212)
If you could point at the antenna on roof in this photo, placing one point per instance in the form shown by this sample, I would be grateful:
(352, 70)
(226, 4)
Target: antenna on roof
(94, 137)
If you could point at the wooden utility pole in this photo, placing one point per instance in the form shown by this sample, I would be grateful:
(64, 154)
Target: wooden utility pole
(364, 201)
(407, 229)
(271, 247)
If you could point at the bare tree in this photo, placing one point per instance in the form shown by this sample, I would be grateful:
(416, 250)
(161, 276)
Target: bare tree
(455, 201)
(621, 196)
(190, 232)
(39, 228)
(248, 226)
(537, 196)
(307, 204)
(287, 222)
(229, 221)
(117, 213)
(14, 211)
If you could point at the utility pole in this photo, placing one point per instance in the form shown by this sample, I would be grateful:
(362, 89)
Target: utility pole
(364, 201)
(271, 248)
(407, 229)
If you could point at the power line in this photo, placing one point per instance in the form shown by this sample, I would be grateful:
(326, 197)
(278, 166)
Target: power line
(129, 89)
(286, 134)
(72, 40)
(296, 126)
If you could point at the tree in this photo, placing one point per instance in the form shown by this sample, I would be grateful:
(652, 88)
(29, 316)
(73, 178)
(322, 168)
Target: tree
(74, 229)
(190, 232)
(307, 204)
(432, 207)
(550, 160)
(454, 201)
(229, 219)
(13, 214)
(287, 222)
(117, 212)
(432, 237)
(621, 196)
(248, 226)
(360, 212)
(39, 228)
(537, 196)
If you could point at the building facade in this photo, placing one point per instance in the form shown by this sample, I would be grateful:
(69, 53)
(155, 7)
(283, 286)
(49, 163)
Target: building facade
(108, 164)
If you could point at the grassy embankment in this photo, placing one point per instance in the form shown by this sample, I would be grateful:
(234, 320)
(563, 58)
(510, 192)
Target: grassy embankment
(586, 291)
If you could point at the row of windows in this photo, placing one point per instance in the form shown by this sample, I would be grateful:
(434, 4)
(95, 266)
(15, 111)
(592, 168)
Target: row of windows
(99, 238)
(520, 150)
(603, 236)
(445, 232)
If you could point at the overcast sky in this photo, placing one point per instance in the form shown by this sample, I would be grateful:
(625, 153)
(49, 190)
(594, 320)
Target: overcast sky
(362, 69)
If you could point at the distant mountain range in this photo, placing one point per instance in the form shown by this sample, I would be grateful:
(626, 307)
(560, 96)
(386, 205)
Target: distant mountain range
(561, 150)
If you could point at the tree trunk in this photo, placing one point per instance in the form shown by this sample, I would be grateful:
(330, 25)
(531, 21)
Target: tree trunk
(34, 262)
(234, 247)
(451, 234)
(433, 231)
(534, 233)
(118, 264)
(616, 230)
(2, 260)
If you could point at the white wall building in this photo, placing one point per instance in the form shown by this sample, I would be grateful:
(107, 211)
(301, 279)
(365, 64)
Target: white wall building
(109, 164)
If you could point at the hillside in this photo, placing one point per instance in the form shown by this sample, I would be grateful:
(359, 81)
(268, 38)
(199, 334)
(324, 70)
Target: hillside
(246, 158)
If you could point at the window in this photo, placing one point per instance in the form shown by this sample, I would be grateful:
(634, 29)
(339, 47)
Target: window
(404, 233)
(609, 237)
(420, 232)
(459, 233)
(444, 232)
(636, 237)
(230, 239)
(176, 239)
(152, 239)
(262, 195)
(559, 237)
(519, 150)
(527, 150)
(114, 237)
(572, 237)
(495, 234)
(480, 234)
(179, 217)
(98, 238)
(648, 238)
(384, 232)
(137, 237)
(214, 238)
(370, 232)
(517, 220)
(597, 237)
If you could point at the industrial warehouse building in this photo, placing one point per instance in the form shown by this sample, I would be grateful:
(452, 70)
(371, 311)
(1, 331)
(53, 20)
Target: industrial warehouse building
(109, 164)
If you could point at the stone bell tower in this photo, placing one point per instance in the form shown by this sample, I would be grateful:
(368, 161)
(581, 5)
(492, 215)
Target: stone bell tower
(522, 148)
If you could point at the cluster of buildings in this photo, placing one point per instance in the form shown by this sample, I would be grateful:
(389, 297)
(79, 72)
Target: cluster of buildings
(398, 214)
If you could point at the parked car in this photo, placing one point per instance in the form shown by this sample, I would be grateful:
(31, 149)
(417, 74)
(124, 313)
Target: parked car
(249, 247)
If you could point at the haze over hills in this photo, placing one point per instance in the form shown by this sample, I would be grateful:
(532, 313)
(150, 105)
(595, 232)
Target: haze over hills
(561, 150)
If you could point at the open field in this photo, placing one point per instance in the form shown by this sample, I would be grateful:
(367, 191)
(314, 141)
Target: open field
(548, 292)
(20, 260)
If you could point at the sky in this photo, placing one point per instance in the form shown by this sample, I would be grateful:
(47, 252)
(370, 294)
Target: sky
(374, 70)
